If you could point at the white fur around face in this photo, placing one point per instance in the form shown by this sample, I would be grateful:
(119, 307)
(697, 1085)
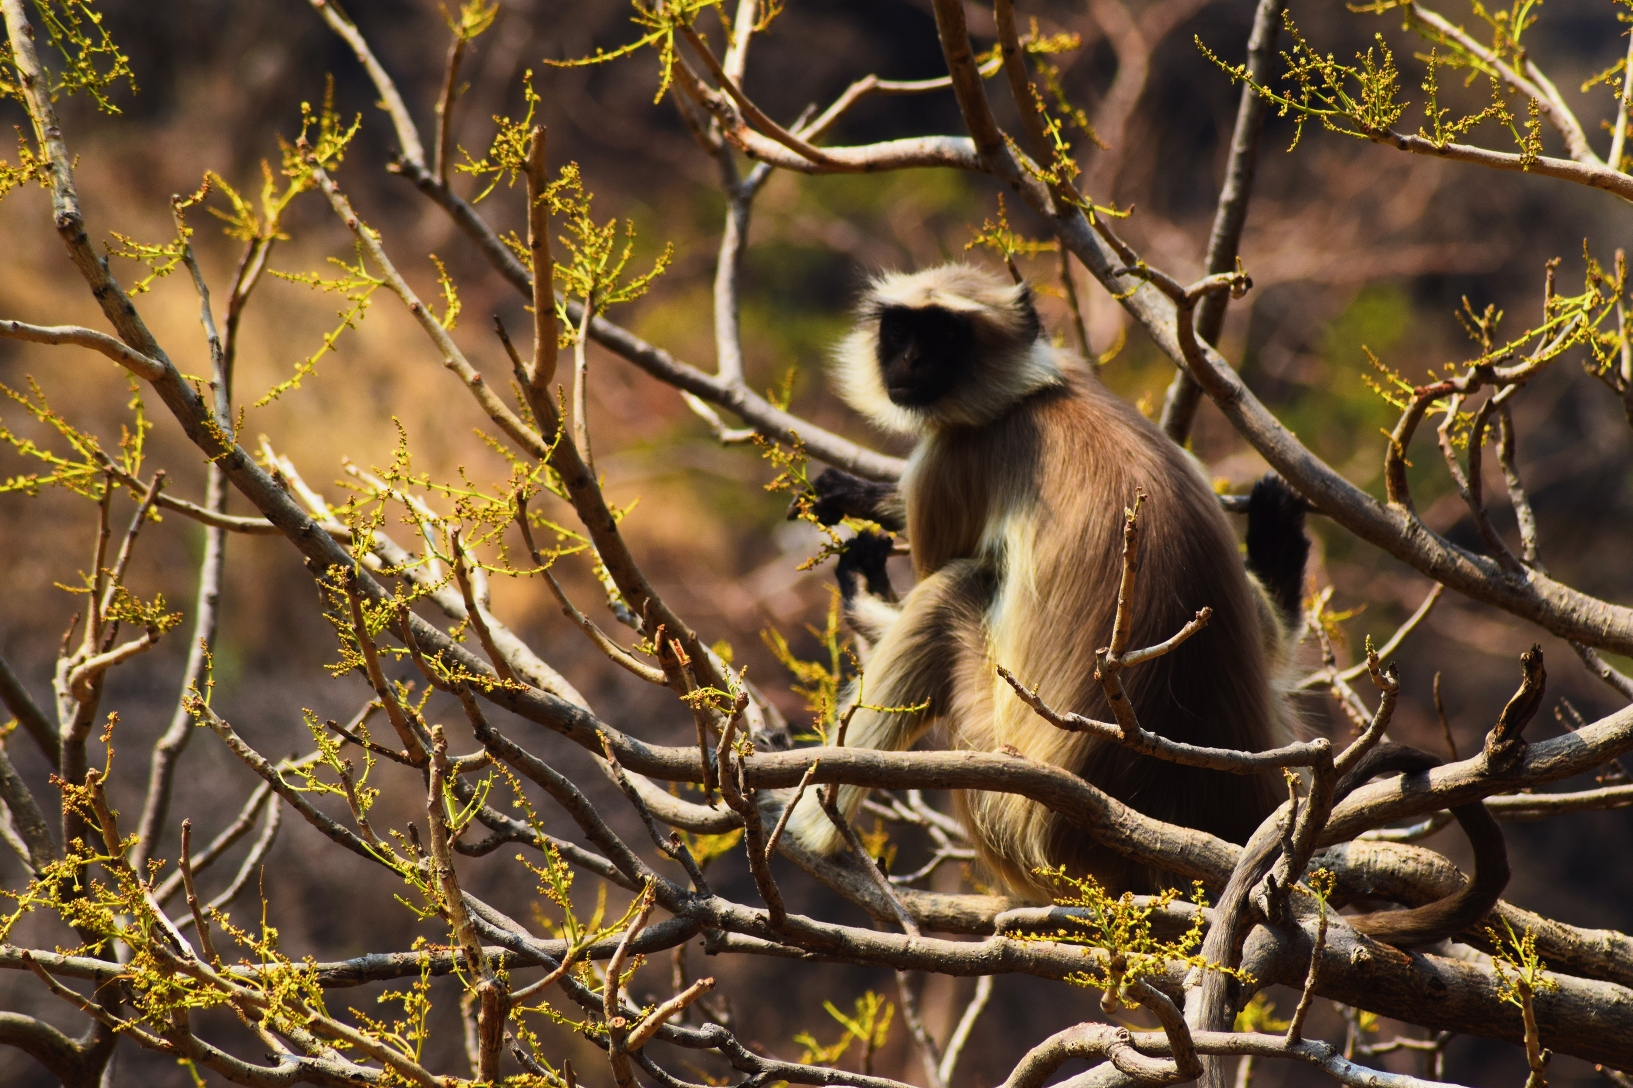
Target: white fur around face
(999, 306)
(961, 288)
(857, 380)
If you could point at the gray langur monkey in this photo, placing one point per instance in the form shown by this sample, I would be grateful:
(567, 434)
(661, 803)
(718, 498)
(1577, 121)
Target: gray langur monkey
(1012, 501)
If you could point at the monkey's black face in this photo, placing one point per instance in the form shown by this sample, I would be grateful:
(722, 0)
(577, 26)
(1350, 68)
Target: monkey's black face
(923, 353)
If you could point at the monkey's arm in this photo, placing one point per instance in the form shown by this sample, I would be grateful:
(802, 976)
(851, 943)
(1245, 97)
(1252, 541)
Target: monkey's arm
(841, 495)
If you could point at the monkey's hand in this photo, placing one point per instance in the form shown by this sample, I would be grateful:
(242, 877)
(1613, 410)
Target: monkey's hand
(840, 495)
(862, 565)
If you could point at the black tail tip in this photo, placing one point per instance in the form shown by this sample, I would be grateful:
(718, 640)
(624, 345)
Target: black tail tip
(1277, 549)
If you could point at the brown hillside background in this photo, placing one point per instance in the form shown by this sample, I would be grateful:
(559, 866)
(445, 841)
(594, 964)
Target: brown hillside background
(1348, 244)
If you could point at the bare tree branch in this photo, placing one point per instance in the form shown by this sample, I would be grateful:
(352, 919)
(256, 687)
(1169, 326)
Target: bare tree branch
(134, 361)
(27, 712)
(1230, 217)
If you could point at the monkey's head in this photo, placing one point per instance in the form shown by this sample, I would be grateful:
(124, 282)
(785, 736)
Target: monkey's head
(949, 345)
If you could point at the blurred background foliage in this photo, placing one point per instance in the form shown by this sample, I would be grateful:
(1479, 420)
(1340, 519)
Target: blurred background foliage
(1349, 245)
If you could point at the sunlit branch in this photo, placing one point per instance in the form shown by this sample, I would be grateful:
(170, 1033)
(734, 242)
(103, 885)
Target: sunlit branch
(1532, 83)
(134, 361)
(408, 137)
(1384, 652)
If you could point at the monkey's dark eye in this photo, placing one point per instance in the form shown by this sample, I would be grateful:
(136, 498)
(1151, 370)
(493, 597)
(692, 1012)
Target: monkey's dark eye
(944, 334)
(895, 329)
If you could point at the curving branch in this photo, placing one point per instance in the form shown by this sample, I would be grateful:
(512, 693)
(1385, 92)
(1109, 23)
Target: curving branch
(134, 361)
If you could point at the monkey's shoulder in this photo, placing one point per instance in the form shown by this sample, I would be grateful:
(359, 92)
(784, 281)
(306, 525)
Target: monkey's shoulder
(1076, 437)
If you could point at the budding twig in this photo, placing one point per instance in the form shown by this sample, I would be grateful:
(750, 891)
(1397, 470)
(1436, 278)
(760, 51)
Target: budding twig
(377, 678)
(476, 613)
(185, 866)
(788, 810)
(830, 805)
(1139, 739)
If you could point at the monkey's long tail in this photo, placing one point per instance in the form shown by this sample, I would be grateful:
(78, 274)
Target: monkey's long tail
(1407, 928)
(1411, 927)
(1416, 926)
(1277, 548)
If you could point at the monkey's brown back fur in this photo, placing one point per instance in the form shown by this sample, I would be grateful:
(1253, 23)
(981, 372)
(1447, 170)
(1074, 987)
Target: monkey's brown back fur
(1048, 481)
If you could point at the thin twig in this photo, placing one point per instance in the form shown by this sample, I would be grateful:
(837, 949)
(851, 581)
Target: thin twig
(1295, 1027)
(1068, 284)
(1445, 722)
(966, 1025)
(673, 847)
(929, 1052)
(614, 652)
(273, 820)
(830, 805)
(788, 810)
(185, 867)
(219, 845)
(395, 713)
(476, 612)
(1517, 497)
(1230, 216)
(1404, 631)
(445, 107)
(753, 113)
(1139, 739)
